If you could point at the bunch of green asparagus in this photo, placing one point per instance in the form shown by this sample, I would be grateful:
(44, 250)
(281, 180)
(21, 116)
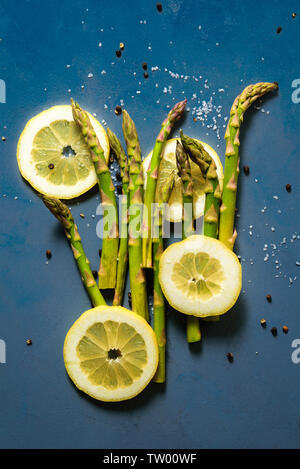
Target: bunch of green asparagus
(138, 248)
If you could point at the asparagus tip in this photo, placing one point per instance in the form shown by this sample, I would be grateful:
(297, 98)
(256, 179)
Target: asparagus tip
(75, 105)
(179, 107)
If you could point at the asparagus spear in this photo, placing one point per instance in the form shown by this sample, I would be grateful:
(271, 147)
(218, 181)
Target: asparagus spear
(135, 188)
(117, 148)
(208, 168)
(184, 171)
(152, 173)
(242, 102)
(161, 198)
(64, 215)
(110, 242)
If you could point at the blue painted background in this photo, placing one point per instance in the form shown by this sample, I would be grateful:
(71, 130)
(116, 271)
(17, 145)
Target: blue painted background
(207, 402)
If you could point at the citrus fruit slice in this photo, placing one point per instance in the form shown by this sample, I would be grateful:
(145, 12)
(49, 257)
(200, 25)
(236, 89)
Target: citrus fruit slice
(53, 156)
(200, 276)
(168, 164)
(111, 353)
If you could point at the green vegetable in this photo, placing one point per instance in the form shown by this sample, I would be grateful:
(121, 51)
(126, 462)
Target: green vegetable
(184, 171)
(152, 174)
(208, 168)
(161, 198)
(136, 182)
(64, 215)
(117, 148)
(227, 234)
(110, 242)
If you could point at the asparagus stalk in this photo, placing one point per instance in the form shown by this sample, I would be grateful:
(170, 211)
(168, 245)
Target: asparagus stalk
(117, 148)
(64, 215)
(110, 242)
(152, 173)
(227, 234)
(207, 167)
(135, 188)
(161, 198)
(184, 171)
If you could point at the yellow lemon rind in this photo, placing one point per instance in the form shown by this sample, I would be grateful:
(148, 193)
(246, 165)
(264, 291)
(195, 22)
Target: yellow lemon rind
(103, 313)
(197, 311)
(91, 180)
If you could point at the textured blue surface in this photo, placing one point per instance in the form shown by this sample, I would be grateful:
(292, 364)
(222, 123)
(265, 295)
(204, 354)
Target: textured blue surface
(207, 402)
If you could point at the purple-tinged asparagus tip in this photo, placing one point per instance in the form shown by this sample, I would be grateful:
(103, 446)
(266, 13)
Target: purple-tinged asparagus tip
(173, 116)
(178, 109)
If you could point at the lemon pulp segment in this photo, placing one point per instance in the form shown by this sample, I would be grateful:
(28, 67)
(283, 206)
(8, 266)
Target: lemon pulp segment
(112, 354)
(60, 154)
(199, 276)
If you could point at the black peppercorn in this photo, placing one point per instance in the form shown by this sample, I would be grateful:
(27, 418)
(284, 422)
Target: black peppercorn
(95, 274)
(288, 187)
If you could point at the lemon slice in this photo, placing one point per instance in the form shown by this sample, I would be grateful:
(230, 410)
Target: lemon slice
(200, 276)
(53, 156)
(111, 353)
(168, 164)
